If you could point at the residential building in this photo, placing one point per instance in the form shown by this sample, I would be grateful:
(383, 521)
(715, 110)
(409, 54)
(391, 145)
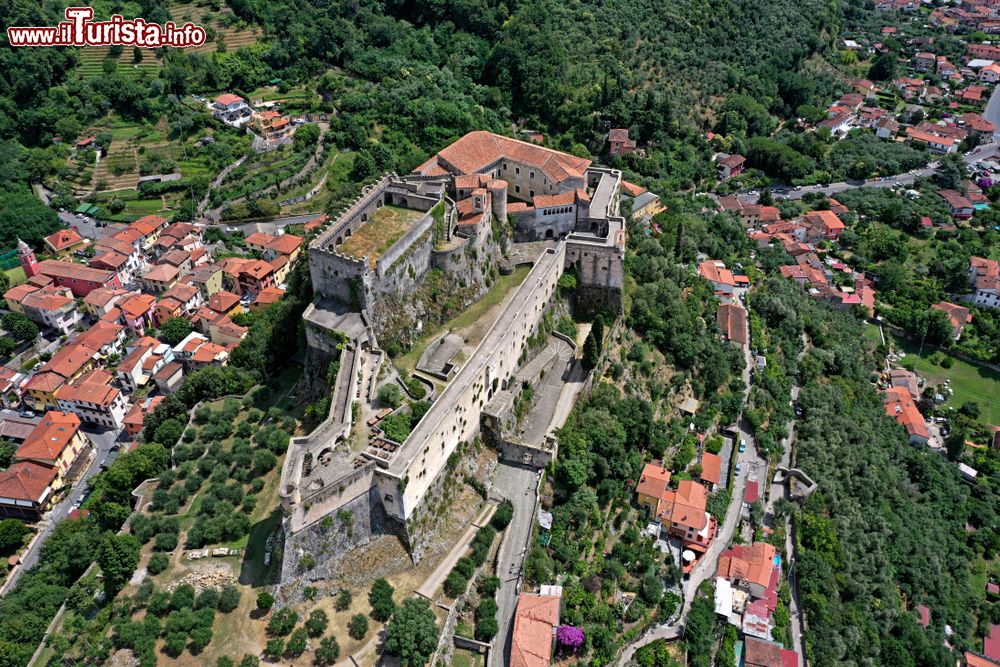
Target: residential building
(145, 357)
(825, 223)
(652, 484)
(722, 279)
(147, 229)
(682, 513)
(935, 143)
(534, 634)
(984, 275)
(138, 312)
(732, 319)
(67, 364)
(959, 316)
(271, 246)
(94, 399)
(924, 61)
(64, 241)
(254, 276)
(10, 387)
(231, 109)
(959, 206)
(730, 166)
(56, 442)
(80, 279)
(207, 278)
(26, 490)
(900, 406)
(160, 278)
(187, 295)
(136, 415)
(102, 301)
(750, 567)
(223, 331)
(197, 351)
(169, 377)
(646, 205)
(52, 307)
(265, 298)
(763, 653)
(619, 142)
(104, 338)
(711, 471)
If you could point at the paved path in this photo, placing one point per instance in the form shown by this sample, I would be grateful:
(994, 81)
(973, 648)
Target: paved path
(434, 582)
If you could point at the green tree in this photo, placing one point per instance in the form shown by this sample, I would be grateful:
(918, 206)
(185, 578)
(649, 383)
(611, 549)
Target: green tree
(412, 635)
(117, 557)
(229, 598)
(357, 628)
(317, 622)
(380, 599)
(174, 330)
(296, 643)
(344, 599)
(19, 326)
(265, 601)
(390, 395)
(158, 562)
(328, 651)
(250, 661)
(883, 68)
(12, 534)
(591, 351)
(274, 648)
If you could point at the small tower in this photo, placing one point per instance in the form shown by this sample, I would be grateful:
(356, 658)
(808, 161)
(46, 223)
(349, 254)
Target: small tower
(26, 256)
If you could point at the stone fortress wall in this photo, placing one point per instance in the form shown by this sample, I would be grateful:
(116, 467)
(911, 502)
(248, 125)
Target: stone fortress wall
(320, 478)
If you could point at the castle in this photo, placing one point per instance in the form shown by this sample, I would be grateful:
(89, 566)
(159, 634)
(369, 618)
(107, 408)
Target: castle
(446, 216)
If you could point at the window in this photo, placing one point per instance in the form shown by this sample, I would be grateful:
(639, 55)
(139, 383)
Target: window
(531, 174)
(517, 188)
(531, 193)
(517, 170)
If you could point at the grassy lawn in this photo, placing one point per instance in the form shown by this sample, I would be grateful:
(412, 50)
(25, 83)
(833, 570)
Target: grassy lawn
(16, 276)
(872, 333)
(385, 228)
(969, 382)
(497, 293)
(463, 658)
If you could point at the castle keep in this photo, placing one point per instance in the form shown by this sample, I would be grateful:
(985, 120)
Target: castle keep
(444, 217)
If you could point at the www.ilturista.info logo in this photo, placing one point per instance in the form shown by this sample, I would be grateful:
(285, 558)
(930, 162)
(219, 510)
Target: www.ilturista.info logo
(79, 30)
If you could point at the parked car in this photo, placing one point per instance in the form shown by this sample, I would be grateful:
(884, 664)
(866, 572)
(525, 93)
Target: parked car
(743, 445)
(28, 414)
(738, 468)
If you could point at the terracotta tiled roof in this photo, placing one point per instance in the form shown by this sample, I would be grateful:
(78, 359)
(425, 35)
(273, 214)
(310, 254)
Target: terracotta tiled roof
(269, 295)
(900, 406)
(182, 292)
(26, 481)
(654, 479)
(959, 315)
(69, 270)
(17, 293)
(478, 150)
(69, 360)
(48, 299)
(99, 335)
(689, 502)
(732, 320)
(535, 622)
(716, 272)
(50, 437)
(228, 98)
(162, 273)
(63, 239)
(94, 387)
(752, 563)
(45, 381)
(137, 414)
(110, 259)
(257, 269)
(137, 306)
(711, 468)
(222, 301)
(147, 224)
(827, 220)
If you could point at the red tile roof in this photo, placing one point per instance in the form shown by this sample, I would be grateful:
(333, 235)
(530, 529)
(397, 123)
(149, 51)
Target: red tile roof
(228, 98)
(26, 481)
(222, 302)
(732, 320)
(137, 306)
(63, 239)
(654, 479)
(162, 273)
(99, 335)
(94, 387)
(753, 563)
(716, 272)
(711, 468)
(50, 437)
(535, 622)
(69, 270)
(69, 360)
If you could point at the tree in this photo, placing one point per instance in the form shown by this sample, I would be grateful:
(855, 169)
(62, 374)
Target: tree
(317, 622)
(282, 622)
(884, 67)
(229, 599)
(591, 351)
(275, 647)
(970, 409)
(328, 651)
(174, 330)
(265, 600)
(390, 395)
(19, 326)
(158, 562)
(250, 661)
(357, 628)
(296, 643)
(380, 599)
(344, 599)
(412, 635)
(4, 282)
(118, 557)
(12, 534)
(503, 515)
(950, 171)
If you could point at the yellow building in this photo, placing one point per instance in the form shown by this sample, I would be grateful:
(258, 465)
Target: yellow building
(652, 484)
(56, 442)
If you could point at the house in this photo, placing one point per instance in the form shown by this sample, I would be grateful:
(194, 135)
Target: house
(730, 166)
(56, 442)
(900, 406)
(138, 312)
(825, 223)
(534, 634)
(763, 653)
(64, 241)
(146, 356)
(179, 259)
(147, 229)
(619, 142)
(990, 73)
(80, 279)
(136, 416)
(683, 514)
(10, 387)
(977, 125)
(207, 278)
(94, 399)
(711, 470)
(223, 331)
(197, 351)
(265, 298)
(67, 364)
(886, 128)
(254, 276)
(26, 490)
(104, 338)
(984, 275)
(225, 303)
(978, 660)
(959, 206)
(749, 567)
(732, 320)
(715, 272)
(958, 315)
(646, 205)
(52, 307)
(231, 109)
(900, 377)
(652, 484)
(101, 301)
(935, 143)
(160, 278)
(169, 377)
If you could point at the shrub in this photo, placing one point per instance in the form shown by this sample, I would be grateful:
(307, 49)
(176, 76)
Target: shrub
(296, 643)
(488, 586)
(183, 597)
(265, 600)
(166, 542)
(317, 622)
(465, 567)
(328, 651)
(158, 562)
(275, 647)
(503, 515)
(344, 600)
(380, 599)
(282, 622)
(250, 661)
(390, 395)
(208, 599)
(358, 627)
(455, 584)
(229, 599)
